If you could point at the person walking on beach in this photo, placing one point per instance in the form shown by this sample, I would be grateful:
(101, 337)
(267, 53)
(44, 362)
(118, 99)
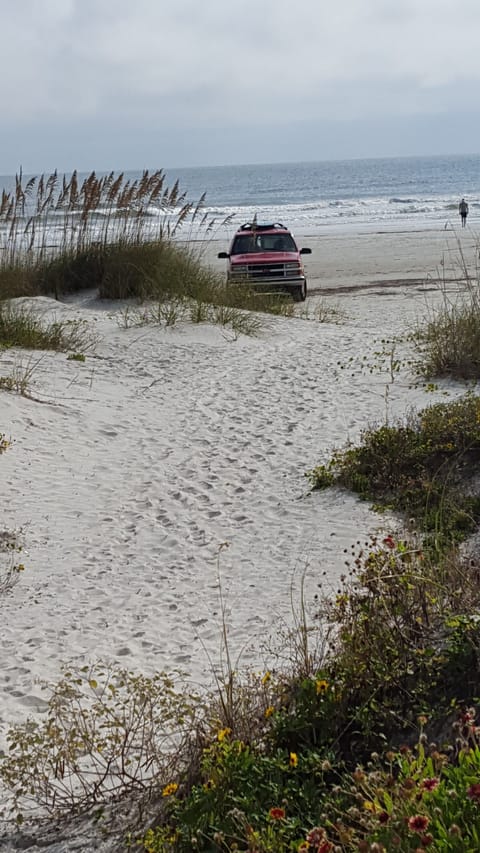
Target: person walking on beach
(463, 211)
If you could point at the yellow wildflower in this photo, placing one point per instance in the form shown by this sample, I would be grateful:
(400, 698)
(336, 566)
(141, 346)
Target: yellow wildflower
(322, 686)
(293, 759)
(269, 711)
(223, 733)
(170, 789)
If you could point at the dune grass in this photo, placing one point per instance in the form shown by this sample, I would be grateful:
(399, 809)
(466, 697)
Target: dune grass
(59, 236)
(113, 235)
(21, 327)
(448, 343)
(118, 237)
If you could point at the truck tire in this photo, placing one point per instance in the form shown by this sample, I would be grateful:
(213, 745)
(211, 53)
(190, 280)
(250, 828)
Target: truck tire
(300, 293)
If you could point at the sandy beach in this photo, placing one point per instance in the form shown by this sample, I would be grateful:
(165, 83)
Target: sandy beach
(171, 463)
(354, 260)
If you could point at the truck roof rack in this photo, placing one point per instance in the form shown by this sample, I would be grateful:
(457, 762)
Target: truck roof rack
(261, 226)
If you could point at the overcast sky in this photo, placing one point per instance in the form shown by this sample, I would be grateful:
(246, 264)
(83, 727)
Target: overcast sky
(127, 84)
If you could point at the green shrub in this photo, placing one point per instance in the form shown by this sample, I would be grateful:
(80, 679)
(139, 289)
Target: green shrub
(402, 632)
(420, 468)
(403, 637)
(413, 799)
(244, 794)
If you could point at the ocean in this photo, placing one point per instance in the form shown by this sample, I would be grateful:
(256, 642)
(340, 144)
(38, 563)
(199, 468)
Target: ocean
(342, 195)
(329, 196)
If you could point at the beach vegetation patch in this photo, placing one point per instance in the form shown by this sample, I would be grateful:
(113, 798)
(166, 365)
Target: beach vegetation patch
(106, 732)
(121, 237)
(324, 311)
(11, 565)
(448, 342)
(421, 467)
(405, 627)
(19, 378)
(418, 797)
(182, 308)
(263, 797)
(20, 326)
(340, 746)
(277, 761)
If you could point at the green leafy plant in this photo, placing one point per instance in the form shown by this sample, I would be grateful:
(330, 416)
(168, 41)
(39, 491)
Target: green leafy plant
(413, 799)
(404, 635)
(246, 799)
(419, 467)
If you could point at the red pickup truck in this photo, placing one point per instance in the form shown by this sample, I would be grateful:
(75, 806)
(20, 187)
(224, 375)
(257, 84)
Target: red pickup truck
(267, 257)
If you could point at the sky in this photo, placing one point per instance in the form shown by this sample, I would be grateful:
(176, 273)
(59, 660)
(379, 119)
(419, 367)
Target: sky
(132, 84)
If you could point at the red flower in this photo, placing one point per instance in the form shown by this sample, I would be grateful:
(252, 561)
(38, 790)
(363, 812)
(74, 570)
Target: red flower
(427, 840)
(430, 784)
(383, 817)
(468, 716)
(316, 835)
(474, 792)
(316, 840)
(418, 823)
(277, 814)
(389, 541)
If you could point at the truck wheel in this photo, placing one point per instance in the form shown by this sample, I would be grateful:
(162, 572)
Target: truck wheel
(300, 293)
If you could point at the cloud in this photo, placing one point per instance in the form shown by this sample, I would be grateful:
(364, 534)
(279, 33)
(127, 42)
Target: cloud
(188, 64)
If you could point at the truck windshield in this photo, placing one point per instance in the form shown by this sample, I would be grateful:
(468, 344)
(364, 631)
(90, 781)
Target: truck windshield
(245, 243)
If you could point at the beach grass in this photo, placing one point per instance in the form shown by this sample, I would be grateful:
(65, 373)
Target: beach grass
(120, 237)
(21, 327)
(448, 342)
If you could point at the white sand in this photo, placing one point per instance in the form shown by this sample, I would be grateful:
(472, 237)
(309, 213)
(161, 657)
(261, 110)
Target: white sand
(166, 443)
(390, 258)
